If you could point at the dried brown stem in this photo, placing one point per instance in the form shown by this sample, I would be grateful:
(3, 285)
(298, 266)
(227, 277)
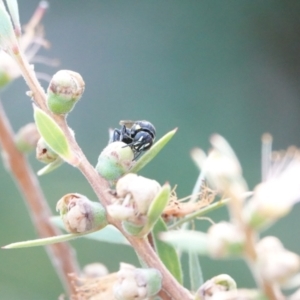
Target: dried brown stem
(61, 255)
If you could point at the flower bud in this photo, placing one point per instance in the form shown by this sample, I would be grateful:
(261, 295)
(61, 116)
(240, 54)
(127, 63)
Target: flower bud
(275, 263)
(27, 137)
(222, 168)
(94, 270)
(135, 195)
(137, 284)
(64, 90)
(216, 288)
(44, 153)
(225, 239)
(115, 160)
(275, 197)
(142, 190)
(79, 214)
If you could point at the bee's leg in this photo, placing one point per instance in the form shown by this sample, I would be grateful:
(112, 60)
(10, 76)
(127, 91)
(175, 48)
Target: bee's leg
(116, 135)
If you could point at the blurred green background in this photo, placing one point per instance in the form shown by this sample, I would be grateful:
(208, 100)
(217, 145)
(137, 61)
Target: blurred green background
(230, 67)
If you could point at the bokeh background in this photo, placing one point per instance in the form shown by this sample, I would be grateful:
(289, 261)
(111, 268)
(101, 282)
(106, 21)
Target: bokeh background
(230, 67)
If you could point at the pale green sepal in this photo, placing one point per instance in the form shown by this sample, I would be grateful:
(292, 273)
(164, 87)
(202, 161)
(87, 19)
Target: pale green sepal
(7, 35)
(195, 272)
(109, 234)
(13, 8)
(45, 241)
(152, 152)
(52, 134)
(166, 252)
(156, 208)
(50, 167)
(187, 240)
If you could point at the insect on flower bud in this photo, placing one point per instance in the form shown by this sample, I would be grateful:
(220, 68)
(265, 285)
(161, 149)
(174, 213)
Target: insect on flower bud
(79, 214)
(225, 239)
(114, 161)
(137, 284)
(44, 153)
(27, 137)
(64, 90)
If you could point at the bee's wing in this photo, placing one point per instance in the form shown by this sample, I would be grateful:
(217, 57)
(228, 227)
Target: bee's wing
(127, 123)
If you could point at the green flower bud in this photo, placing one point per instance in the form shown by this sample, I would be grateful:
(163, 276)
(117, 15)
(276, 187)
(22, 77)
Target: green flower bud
(64, 90)
(114, 161)
(44, 153)
(137, 284)
(27, 137)
(132, 228)
(79, 214)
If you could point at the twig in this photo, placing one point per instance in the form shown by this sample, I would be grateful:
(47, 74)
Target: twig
(101, 187)
(61, 255)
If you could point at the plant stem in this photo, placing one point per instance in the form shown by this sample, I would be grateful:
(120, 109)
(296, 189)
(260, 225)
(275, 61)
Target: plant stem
(61, 255)
(101, 187)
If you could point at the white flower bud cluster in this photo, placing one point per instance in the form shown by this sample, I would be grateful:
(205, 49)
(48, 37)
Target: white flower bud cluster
(135, 195)
(137, 284)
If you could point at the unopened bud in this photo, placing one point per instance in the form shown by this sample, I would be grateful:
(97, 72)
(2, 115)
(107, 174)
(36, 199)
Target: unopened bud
(65, 89)
(225, 239)
(79, 214)
(44, 153)
(216, 288)
(94, 270)
(27, 137)
(137, 284)
(115, 160)
(142, 190)
(275, 263)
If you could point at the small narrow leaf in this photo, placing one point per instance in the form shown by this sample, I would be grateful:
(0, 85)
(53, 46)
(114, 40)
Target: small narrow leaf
(52, 134)
(50, 167)
(45, 241)
(167, 253)
(187, 240)
(156, 208)
(152, 152)
(196, 277)
(108, 234)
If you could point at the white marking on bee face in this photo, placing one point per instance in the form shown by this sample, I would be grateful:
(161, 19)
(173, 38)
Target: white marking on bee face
(141, 138)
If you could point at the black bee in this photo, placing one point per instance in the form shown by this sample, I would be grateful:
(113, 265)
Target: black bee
(139, 135)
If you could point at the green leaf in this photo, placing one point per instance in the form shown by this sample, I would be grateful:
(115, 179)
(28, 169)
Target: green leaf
(167, 253)
(156, 208)
(152, 152)
(108, 234)
(45, 241)
(196, 277)
(187, 240)
(52, 134)
(50, 167)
